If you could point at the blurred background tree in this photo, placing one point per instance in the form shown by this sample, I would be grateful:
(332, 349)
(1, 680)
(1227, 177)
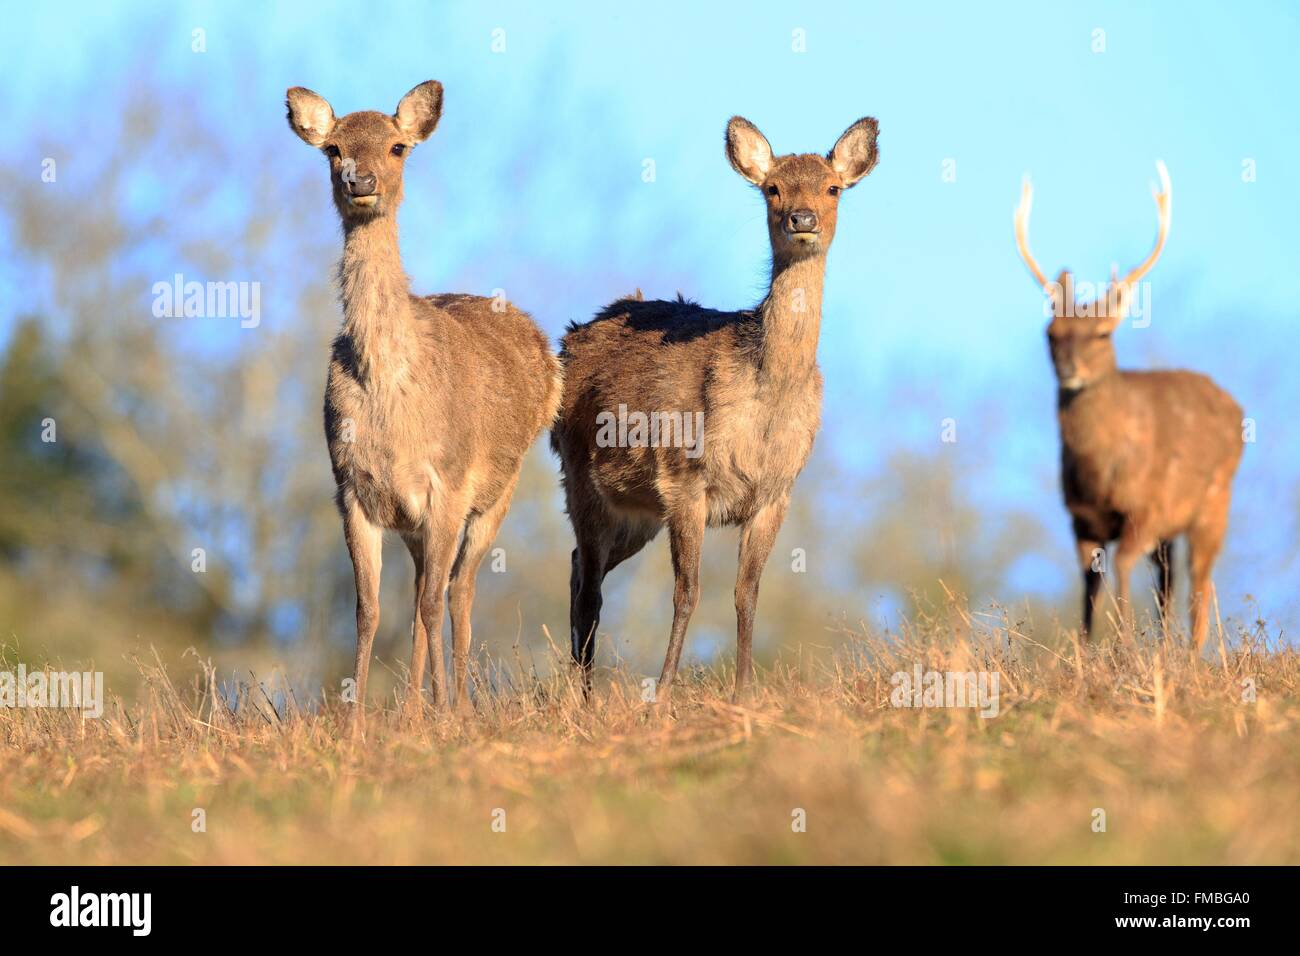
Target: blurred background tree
(177, 434)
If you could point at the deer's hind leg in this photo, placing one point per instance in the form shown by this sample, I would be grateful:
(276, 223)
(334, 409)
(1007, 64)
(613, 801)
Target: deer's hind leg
(480, 531)
(1163, 560)
(439, 537)
(1204, 539)
(419, 645)
(604, 541)
(599, 551)
(1134, 543)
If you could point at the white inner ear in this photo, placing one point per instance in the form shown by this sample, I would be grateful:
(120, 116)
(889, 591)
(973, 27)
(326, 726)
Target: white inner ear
(843, 158)
(405, 116)
(315, 119)
(755, 155)
(413, 112)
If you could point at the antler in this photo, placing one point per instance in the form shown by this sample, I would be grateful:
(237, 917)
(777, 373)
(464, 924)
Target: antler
(1164, 207)
(1022, 233)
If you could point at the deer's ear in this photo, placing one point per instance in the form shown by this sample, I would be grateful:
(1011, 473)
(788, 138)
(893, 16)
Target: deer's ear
(1061, 292)
(748, 150)
(310, 116)
(418, 114)
(855, 154)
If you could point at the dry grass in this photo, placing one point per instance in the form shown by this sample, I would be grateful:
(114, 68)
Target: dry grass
(1186, 770)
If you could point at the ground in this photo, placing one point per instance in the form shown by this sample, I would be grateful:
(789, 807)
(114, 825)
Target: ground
(1129, 751)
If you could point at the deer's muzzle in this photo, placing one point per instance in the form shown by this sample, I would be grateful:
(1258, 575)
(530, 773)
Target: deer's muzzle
(362, 185)
(802, 221)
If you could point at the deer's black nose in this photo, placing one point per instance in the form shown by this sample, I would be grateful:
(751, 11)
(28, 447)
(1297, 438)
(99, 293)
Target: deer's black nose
(803, 220)
(362, 185)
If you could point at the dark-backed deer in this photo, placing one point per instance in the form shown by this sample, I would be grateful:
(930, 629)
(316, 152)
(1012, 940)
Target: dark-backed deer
(750, 377)
(431, 402)
(1145, 456)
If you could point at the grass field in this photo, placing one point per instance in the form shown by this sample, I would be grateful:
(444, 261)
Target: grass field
(1185, 766)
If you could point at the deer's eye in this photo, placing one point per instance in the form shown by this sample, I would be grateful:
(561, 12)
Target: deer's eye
(332, 152)
(834, 190)
(772, 191)
(399, 149)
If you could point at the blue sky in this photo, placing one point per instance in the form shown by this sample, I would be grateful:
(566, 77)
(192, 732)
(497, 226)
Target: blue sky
(929, 313)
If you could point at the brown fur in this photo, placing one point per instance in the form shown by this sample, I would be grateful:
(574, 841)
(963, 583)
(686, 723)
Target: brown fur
(754, 376)
(1145, 456)
(431, 402)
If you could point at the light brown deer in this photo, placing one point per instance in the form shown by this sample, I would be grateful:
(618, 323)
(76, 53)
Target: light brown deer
(431, 402)
(753, 377)
(1145, 456)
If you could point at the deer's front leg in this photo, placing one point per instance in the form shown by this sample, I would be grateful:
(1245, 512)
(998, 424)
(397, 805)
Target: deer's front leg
(686, 536)
(1133, 546)
(365, 545)
(756, 540)
(1092, 561)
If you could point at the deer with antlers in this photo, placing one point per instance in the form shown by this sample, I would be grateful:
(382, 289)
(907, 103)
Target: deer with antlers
(1145, 456)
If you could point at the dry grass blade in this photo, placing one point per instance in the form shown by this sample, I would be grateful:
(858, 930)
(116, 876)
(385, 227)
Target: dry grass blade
(1189, 767)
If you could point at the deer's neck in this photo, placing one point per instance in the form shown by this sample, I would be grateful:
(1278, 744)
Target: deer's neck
(792, 316)
(1095, 415)
(376, 302)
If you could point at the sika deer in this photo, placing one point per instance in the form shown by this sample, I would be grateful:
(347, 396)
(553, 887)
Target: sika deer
(431, 402)
(1145, 456)
(753, 375)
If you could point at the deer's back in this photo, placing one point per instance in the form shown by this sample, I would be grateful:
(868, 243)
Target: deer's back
(1149, 447)
(504, 377)
(679, 358)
